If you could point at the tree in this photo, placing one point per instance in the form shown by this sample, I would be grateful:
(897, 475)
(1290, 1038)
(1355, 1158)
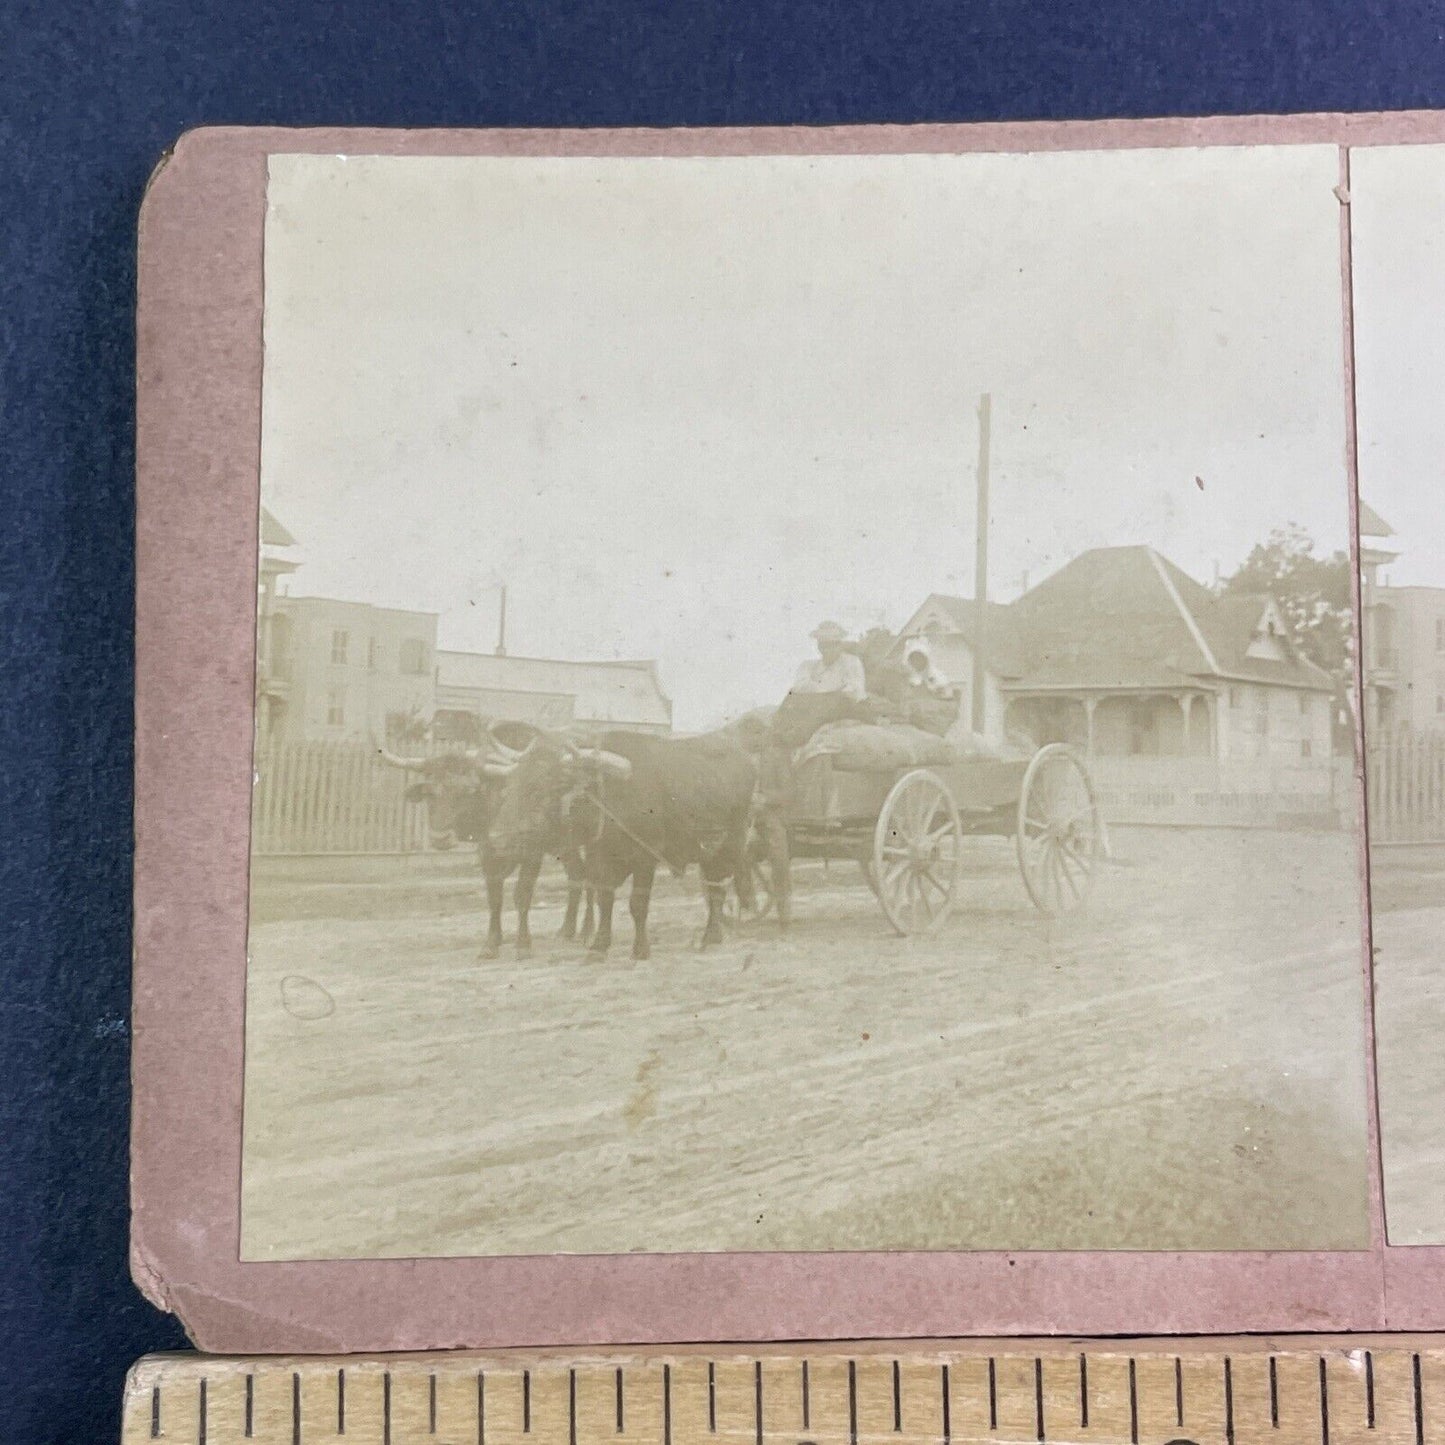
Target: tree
(1314, 594)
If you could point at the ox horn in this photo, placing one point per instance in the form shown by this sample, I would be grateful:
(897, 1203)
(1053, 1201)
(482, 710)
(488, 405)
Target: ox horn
(613, 763)
(500, 767)
(505, 749)
(411, 765)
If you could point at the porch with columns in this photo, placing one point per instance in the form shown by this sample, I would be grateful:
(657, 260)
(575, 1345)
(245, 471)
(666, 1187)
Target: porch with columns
(1121, 722)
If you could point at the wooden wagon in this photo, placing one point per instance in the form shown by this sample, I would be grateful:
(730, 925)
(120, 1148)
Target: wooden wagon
(906, 828)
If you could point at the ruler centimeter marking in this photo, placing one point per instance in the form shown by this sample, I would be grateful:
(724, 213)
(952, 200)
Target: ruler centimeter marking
(1321, 1392)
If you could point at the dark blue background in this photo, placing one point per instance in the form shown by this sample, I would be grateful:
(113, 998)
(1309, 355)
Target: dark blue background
(90, 93)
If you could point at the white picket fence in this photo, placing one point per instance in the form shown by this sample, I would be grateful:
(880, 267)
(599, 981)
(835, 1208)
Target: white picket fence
(323, 797)
(1224, 793)
(1405, 786)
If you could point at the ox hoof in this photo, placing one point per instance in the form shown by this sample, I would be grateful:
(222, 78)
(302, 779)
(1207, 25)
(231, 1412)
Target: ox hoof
(490, 951)
(641, 952)
(524, 950)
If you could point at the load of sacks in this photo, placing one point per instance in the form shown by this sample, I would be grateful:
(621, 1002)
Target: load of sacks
(862, 747)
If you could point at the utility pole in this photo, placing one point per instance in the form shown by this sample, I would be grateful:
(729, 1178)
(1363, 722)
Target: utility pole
(502, 625)
(980, 569)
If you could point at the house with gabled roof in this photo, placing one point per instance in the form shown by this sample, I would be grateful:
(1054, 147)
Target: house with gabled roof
(1122, 653)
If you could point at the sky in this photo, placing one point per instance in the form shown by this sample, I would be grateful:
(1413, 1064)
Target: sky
(1398, 247)
(687, 408)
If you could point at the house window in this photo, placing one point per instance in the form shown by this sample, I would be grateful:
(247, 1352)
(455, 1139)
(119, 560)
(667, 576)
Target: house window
(413, 656)
(1439, 703)
(1235, 696)
(373, 653)
(1304, 704)
(1305, 748)
(336, 707)
(1440, 634)
(339, 641)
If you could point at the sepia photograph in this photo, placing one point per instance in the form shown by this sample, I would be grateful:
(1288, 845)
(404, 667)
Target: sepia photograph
(811, 703)
(1398, 216)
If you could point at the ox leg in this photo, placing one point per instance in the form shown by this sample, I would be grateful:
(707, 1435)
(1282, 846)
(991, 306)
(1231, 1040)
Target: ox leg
(602, 939)
(496, 876)
(743, 872)
(775, 839)
(638, 904)
(589, 913)
(526, 883)
(573, 864)
(715, 873)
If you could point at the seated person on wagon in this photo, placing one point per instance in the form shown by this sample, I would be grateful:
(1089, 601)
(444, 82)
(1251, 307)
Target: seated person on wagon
(828, 687)
(931, 700)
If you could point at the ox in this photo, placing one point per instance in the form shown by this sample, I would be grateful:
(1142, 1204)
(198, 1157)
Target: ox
(633, 802)
(460, 792)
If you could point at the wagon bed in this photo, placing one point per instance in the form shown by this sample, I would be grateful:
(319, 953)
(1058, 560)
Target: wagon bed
(905, 827)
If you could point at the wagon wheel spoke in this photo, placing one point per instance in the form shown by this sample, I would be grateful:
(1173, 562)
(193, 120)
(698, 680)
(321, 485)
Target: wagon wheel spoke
(930, 877)
(1061, 876)
(920, 899)
(1043, 872)
(924, 813)
(1062, 854)
(892, 874)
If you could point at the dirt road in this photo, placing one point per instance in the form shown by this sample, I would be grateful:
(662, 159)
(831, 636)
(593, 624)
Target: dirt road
(1408, 889)
(1180, 1067)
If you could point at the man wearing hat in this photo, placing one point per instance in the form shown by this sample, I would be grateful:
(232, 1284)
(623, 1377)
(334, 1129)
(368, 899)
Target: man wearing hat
(828, 687)
(833, 670)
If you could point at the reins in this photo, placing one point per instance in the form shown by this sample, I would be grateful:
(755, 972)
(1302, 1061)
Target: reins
(604, 814)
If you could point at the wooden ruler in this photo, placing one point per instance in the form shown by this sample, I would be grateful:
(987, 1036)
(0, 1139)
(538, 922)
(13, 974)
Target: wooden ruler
(1383, 1390)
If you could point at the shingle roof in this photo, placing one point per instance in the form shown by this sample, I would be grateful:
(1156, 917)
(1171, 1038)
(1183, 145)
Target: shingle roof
(1000, 648)
(273, 534)
(1126, 617)
(1372, 524)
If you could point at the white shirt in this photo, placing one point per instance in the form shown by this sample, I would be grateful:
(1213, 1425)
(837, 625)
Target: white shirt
(843, 675)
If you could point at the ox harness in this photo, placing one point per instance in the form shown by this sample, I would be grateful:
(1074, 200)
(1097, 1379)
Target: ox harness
(591, 791)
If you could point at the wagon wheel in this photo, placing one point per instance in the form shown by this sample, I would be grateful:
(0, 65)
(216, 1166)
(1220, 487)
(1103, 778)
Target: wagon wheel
(917, 853)
(762, 877)
(1059, 830)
